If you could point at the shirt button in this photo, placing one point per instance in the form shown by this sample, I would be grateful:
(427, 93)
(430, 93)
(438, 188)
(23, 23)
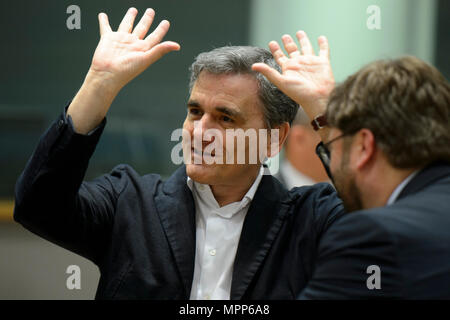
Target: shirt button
(212, 252)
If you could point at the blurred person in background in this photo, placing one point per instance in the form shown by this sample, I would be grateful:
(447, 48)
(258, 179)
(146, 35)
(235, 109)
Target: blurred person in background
(301, 166)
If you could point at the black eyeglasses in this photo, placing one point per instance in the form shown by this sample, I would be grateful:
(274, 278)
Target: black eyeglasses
(323, 151)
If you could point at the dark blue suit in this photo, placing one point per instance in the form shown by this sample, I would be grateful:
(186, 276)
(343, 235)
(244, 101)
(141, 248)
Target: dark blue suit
(409, 241)
(140, 230)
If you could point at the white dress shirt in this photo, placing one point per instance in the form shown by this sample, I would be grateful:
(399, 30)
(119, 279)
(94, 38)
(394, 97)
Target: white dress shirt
(217, 237)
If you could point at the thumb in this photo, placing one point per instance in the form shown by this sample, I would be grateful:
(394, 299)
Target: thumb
(270, 73)
(158, 51)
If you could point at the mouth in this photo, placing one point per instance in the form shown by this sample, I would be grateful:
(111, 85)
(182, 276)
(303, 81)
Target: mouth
(205, 154)
(201, 154)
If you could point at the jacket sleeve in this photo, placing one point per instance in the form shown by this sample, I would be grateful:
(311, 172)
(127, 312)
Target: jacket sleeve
(52, 201)
(356, 260)
(327, 206)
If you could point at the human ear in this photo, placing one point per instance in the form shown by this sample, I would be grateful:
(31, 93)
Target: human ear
(365, 147)
(276, 138)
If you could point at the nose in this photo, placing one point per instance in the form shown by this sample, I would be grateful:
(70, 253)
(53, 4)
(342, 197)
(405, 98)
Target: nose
(201, 127)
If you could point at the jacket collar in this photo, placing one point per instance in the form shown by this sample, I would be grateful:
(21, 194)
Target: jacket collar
(261, 226)
(176, 209)
(425, 177)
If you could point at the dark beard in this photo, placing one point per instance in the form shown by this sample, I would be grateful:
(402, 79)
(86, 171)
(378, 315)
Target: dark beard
(345, 184)
(350, 195)
(348, 191)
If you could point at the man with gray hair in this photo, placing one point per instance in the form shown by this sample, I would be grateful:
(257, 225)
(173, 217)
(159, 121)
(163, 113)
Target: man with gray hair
(213, 230)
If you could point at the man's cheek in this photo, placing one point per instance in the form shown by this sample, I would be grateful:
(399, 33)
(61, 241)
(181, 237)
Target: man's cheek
(186, 143)
(231, 150)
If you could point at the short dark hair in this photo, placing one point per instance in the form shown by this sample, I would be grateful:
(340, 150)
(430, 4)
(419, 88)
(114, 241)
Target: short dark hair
(404, 102)
(277, 107)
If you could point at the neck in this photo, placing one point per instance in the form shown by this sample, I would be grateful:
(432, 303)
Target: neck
(226, 194)
(382, 184)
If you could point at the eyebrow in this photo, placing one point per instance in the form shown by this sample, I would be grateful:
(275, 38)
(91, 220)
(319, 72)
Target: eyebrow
(226, 110)
(193, 103)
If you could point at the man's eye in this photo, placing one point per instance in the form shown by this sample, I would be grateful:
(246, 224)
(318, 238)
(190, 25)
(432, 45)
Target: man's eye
(227, 119)
(194, 112)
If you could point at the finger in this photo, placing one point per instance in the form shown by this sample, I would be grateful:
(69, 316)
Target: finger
(305, 44)
(324, 47)
(144, 24)
(277, 53)
(161, 49)
(127, 22)
(158, 34)
(103, 23)
(290, 46)
(270, 73)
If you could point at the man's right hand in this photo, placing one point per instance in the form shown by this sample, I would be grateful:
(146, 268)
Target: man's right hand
(120, 57)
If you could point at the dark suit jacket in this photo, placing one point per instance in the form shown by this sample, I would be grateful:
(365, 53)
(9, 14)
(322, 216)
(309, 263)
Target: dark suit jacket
(140, 230)
(409, 241)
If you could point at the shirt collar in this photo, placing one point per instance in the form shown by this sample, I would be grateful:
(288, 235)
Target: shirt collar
(204, 192)
(400, 187)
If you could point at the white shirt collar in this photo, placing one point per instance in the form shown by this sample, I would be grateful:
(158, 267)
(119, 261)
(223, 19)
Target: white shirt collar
(204, 193)
(400, 188)
(292, 177)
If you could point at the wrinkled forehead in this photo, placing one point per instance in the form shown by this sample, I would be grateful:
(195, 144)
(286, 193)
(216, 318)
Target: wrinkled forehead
(238, 83)
(237, 90)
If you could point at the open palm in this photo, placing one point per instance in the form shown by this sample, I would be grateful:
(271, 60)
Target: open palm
(305, 78)
(124, 54)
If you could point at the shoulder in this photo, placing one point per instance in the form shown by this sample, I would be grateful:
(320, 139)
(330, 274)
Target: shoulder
(348, 252)
(358, 236)
(375, 219)
(416, 216)
(320, 201)
(123, 177)
(319, 193)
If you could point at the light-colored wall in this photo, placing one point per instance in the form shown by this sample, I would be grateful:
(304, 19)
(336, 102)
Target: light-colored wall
(407, 27)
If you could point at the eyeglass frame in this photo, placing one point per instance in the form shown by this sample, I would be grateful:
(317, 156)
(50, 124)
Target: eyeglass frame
(324, 154)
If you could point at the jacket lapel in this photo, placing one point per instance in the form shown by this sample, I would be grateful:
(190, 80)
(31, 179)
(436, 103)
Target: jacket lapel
(426, 177)
(176, 209)
(261, 226)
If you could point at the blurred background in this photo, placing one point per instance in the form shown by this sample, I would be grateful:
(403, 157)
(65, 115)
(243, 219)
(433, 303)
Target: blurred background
(43, 64)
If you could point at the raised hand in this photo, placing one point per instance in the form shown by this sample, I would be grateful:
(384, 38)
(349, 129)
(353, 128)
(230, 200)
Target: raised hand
(122, 55)
(305, 77)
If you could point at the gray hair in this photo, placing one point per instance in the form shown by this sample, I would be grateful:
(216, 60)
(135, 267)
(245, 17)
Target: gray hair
(277, 107)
